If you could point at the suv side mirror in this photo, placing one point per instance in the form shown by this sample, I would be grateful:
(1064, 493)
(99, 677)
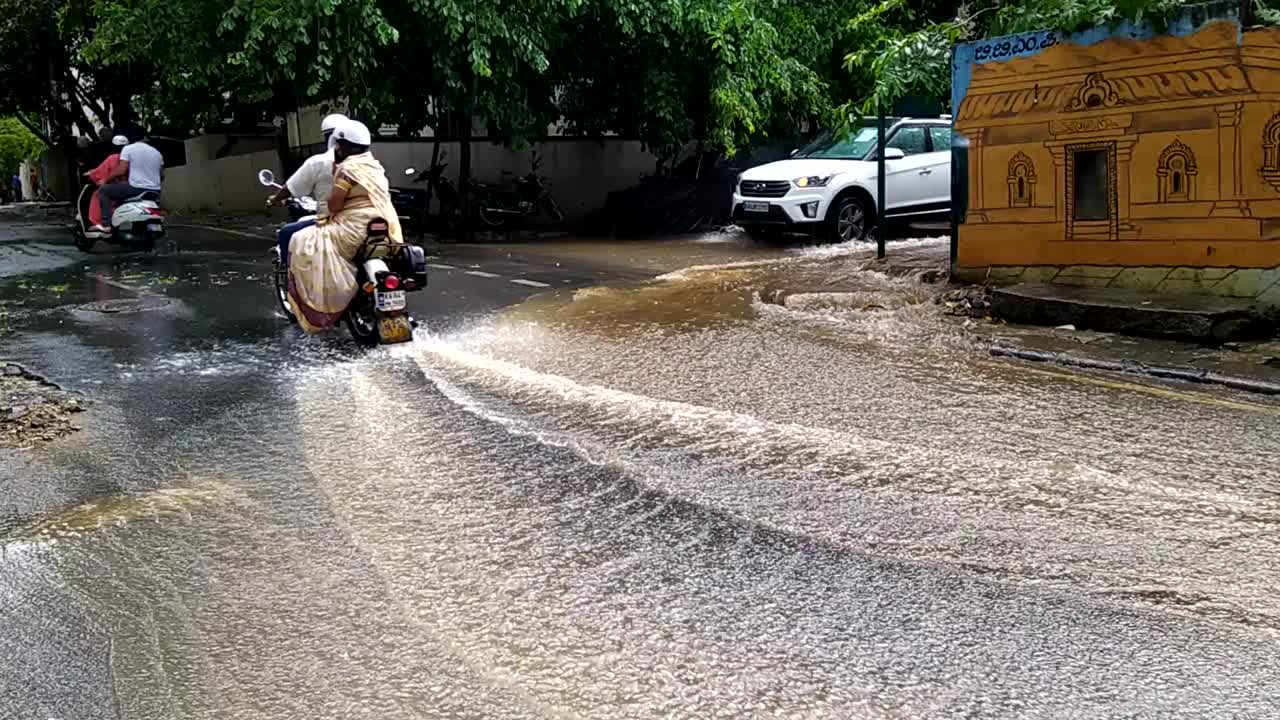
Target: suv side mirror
(894, 154)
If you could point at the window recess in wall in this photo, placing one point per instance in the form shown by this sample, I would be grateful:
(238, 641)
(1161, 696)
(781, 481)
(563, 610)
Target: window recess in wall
(1176, 173)
(1271, 152)
(1022, 181)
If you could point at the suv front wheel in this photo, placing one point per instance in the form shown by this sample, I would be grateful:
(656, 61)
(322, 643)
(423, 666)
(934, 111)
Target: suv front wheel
(849, 220)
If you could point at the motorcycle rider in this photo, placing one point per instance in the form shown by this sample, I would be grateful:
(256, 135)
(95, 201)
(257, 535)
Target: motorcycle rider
(315, 179)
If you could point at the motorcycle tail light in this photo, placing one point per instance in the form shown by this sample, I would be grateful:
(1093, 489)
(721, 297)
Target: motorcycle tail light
(391, 282)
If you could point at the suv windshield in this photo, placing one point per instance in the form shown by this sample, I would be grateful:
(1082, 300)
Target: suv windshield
(849, 146)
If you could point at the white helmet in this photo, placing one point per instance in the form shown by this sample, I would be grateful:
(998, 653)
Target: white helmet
(119, 141)
(353, 132)
(331, 122)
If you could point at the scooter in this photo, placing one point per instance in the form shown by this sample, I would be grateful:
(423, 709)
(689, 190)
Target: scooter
(385, 272)
(137, 222)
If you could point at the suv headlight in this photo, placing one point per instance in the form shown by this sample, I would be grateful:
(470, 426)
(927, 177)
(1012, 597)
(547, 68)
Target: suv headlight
(813, 181)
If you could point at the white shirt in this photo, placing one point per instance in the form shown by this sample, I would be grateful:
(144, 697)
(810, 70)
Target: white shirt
(314, 178)
(145, 164)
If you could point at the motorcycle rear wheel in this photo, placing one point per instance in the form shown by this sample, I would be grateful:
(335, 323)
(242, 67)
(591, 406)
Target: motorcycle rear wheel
(362, 322)
(493, 218)
(552, 209)
(281, 286)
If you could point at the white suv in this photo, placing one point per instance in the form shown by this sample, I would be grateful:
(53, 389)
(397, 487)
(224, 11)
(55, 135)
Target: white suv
(829, 187)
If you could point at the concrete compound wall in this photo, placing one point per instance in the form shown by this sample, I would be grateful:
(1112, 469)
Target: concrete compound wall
(579, 173)
(226, 185)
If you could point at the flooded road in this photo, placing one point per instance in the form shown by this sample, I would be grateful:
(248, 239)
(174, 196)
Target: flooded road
(616, 500)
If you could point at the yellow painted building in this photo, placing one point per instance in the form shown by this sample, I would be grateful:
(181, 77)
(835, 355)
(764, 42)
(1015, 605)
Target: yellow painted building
(1128, 163)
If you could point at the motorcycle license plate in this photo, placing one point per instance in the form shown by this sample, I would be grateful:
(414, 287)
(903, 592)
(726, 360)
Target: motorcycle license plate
(391, 300)
(395, 329)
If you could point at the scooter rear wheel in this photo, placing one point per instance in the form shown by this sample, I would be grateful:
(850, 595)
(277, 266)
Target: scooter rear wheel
(83, 243)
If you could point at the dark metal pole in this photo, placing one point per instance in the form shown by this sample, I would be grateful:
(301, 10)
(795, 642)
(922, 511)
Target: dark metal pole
(880, 192)
(959, 179)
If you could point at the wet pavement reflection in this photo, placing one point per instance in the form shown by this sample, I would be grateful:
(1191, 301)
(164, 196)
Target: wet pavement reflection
(659, 499)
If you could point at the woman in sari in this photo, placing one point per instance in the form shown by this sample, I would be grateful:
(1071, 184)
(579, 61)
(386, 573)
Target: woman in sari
(98, 176)
(322, 272)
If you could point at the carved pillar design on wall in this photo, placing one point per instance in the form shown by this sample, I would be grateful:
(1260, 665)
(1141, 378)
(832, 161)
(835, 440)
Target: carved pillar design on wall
(1060, 172)
(977, 198)
(1123, 180)
(1230, 185)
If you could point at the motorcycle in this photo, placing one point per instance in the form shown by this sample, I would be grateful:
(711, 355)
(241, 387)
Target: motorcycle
(137, 222)
(385, 272)
(413, 204)
(528, 196)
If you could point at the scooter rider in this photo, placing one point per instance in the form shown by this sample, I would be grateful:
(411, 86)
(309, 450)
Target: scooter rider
(314, 178)
(142, 169)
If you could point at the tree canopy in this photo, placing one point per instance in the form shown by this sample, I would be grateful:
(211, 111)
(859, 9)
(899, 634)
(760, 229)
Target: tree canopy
(673, 73)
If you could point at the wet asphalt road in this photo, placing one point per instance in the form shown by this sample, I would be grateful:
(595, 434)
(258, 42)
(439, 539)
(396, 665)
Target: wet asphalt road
(544, 513)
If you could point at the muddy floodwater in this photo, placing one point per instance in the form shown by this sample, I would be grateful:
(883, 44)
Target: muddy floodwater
(666, 499)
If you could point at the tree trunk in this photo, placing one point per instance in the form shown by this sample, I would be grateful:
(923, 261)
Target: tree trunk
(435, 160)
(466, 229)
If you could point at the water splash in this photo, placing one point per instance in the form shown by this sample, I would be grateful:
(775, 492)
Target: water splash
(120, 510)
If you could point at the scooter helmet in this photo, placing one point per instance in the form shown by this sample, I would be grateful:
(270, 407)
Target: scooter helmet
(353, 132)
(119, 141)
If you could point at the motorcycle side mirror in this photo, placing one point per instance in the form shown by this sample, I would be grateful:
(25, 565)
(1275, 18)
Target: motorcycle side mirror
(410, 171)
(267, 178)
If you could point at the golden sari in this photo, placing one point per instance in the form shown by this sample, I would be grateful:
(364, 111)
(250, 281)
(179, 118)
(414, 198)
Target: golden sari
(322, 271)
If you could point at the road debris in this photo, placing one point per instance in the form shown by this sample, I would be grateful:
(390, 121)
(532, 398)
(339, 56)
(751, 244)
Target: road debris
(33, 411)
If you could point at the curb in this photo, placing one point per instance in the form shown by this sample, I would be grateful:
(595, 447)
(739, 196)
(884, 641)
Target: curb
(1189, 374)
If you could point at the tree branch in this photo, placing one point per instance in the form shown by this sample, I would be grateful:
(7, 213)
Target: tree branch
(48, 141)
(99, 109)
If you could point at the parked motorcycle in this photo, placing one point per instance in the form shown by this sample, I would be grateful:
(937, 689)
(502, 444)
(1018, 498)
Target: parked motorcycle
(413, 204)
(385, 272)
(138, 222)
(527, 196)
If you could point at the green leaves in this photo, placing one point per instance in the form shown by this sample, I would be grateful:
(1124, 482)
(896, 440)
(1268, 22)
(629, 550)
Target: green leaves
(897, 55)
(17, 144)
